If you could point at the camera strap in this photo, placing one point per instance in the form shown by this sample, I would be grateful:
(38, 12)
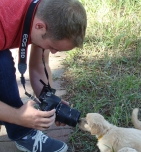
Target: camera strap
(49, 87)
(25, 38)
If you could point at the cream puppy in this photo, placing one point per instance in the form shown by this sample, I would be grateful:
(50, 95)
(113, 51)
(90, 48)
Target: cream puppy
(110, 137)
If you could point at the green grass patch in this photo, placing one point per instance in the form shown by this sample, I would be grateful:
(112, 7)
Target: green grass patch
(105, 76)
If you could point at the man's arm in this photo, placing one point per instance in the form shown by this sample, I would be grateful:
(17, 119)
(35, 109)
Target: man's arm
(36, 69)
(27, 116)
(7, 113)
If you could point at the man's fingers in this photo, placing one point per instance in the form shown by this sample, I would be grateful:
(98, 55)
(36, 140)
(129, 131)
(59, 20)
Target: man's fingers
(45, 123)
(31, 102)
(59, 123)
(47, 120)
(47, 114)
(65, 102)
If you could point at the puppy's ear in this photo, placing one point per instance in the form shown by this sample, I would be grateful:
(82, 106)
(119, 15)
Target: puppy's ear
(99, 128)
(95, 129)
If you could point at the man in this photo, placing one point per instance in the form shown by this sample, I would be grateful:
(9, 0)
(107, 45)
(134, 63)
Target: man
(57, 25)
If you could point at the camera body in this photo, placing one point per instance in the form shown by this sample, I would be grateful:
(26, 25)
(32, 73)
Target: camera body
(64, 113)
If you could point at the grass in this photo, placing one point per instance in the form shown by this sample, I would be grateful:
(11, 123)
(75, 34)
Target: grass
(105, 76)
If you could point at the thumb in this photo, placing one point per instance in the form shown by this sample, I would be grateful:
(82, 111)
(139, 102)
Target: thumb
(31, 102)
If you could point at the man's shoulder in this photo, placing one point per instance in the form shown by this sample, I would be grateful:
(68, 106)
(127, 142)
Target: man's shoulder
(14, 4)
(12, 15)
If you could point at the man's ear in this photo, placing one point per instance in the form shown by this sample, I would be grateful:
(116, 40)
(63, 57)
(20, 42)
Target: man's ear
(41, 26)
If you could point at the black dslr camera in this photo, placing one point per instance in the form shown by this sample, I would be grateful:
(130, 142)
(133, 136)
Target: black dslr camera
(64, 113)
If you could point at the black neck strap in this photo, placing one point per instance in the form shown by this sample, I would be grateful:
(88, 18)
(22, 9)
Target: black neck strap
(25, 37)
(46, 73)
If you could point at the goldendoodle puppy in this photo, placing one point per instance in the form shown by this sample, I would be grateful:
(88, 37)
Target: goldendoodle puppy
(110, 137)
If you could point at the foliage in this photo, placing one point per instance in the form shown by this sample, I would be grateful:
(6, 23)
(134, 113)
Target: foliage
(105, 76)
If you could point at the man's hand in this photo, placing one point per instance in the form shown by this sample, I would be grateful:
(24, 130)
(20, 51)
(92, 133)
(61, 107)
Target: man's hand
(57, 122)
(30, 117)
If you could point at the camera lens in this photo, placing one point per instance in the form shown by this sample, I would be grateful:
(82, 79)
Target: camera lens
(67, 115)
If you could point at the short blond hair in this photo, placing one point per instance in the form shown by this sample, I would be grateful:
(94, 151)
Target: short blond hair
(65, 19)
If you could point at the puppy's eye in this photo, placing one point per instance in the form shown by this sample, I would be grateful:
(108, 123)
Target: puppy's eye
(85, 122)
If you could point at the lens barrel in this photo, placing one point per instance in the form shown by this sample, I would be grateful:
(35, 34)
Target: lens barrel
(67, 115)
